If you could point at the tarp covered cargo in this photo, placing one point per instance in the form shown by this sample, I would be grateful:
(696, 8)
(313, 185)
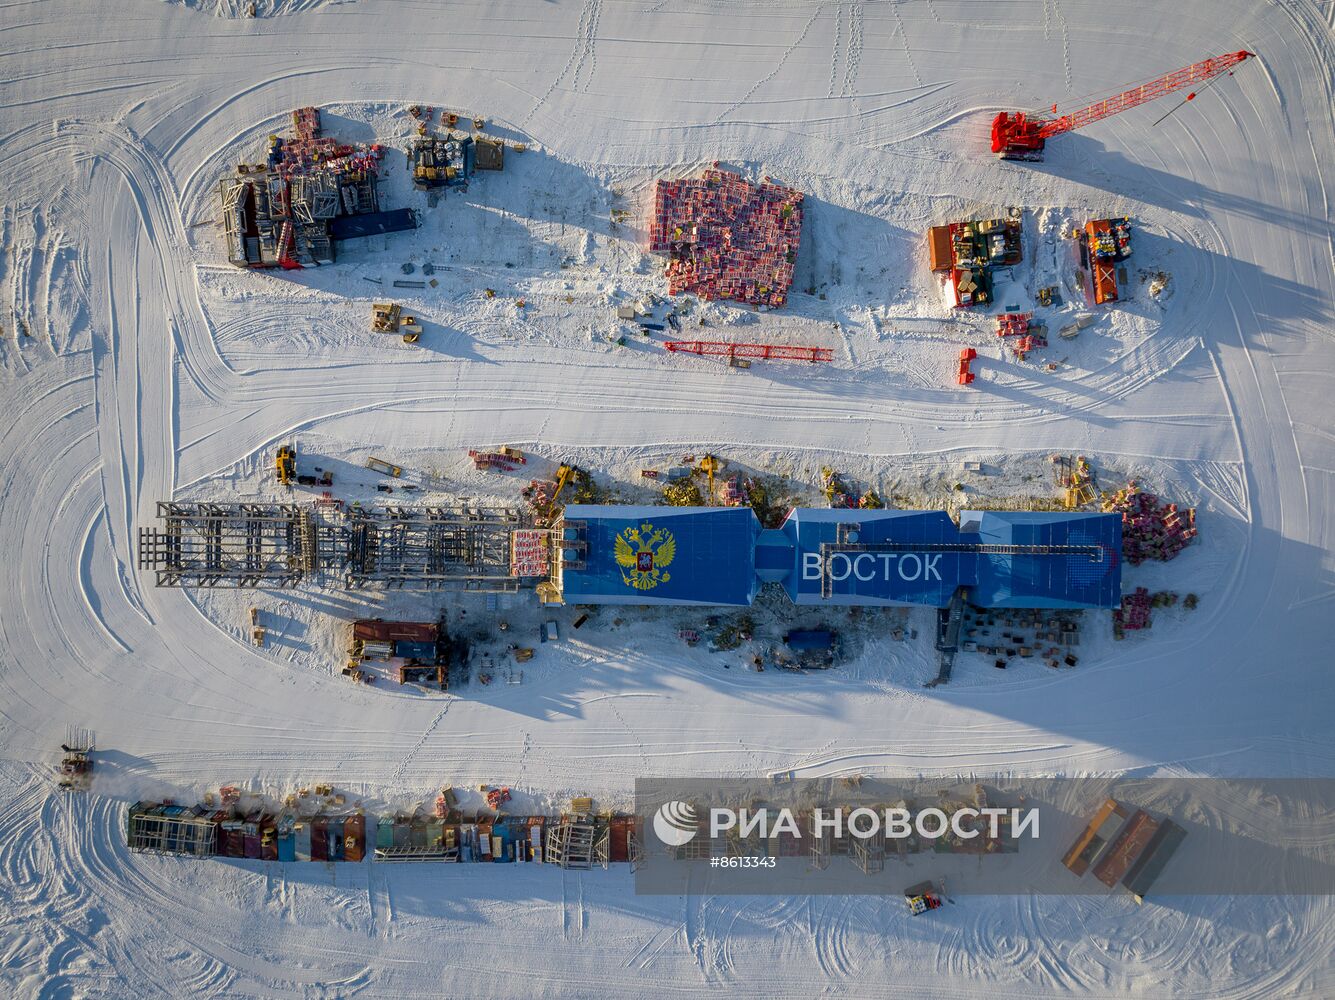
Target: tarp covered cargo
(347, 227)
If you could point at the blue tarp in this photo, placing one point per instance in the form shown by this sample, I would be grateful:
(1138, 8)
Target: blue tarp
(348, 227)
(809, 639)
(416, 650)
(661, 555)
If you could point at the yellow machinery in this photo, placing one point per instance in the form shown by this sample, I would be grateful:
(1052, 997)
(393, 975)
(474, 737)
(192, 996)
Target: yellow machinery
(564, 474)
(388, 317)
(285, 464)
(711, 464)
(385, 317)
(388, 468)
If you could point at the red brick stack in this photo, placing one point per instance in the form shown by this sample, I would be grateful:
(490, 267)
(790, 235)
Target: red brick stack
(727, 238)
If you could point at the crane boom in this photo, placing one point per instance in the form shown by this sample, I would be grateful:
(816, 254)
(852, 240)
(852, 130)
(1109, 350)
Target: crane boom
(1016, 135)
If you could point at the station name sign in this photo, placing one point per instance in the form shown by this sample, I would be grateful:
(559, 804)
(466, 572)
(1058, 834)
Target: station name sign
(871, 566)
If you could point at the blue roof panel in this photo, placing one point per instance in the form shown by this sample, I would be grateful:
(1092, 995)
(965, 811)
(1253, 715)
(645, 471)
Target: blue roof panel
(662, 555)
(875, 563)
(1090, 578)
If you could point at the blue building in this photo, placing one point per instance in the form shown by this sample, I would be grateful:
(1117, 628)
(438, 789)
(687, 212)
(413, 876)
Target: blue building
(657, 555)
(839, 557)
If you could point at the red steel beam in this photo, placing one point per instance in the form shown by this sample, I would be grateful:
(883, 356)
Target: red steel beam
(768, 352)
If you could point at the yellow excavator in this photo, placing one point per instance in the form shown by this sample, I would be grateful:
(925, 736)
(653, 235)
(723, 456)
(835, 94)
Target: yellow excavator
(711, 464)
(285, 464)
(564, 474)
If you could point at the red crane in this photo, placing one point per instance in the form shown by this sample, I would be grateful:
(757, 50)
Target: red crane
(1018, 136)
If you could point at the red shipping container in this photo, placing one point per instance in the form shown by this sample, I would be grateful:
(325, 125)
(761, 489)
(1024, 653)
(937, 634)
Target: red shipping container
(320, 839)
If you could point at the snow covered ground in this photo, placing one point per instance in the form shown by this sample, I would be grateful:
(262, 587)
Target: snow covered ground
(136, 365)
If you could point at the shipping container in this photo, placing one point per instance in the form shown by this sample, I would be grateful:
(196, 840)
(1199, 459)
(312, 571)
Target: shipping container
(302, 838)
(235, 836)
(415, 650)
(1131, 840)
(320, 839)
(354, 838)
(378, 631)
(287, 841)
(939, 248)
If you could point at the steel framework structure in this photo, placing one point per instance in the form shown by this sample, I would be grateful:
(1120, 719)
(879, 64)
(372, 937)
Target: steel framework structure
(209, 545)
(280, 545)
(465, 548)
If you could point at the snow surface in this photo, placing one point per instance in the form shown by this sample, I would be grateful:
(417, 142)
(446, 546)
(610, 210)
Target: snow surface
(136, 365)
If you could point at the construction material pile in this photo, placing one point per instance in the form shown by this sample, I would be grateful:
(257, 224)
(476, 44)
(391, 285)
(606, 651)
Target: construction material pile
(1134, 612)
(727, 238)
(1151, 529)
(310, 152)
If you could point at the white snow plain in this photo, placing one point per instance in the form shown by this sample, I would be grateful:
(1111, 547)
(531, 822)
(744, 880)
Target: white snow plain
(136, 365)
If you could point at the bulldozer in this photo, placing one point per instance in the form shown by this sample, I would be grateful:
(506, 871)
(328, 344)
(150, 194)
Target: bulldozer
(285, 464)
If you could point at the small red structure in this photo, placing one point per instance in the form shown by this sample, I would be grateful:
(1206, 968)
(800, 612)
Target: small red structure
(767, 352)
(727, 238)
(494, 460)
(965, 375)
(1013, 324)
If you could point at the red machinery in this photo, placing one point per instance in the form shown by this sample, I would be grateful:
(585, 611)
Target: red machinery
(1018, 136)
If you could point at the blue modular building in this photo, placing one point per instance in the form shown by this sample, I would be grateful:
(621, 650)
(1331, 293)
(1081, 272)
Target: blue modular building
(1045, 560)
(839, 557)
(657, 555)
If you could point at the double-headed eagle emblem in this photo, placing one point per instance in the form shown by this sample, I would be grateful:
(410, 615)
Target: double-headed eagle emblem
(643, 553)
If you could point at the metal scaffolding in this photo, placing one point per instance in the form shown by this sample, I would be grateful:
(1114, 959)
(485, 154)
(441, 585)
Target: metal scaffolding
(281, 545)
(463, 548)
(229, 545)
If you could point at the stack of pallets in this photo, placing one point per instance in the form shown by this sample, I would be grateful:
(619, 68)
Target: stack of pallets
(727, 238)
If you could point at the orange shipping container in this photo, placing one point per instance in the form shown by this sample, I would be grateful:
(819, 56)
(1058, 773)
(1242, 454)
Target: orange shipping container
(938, 248)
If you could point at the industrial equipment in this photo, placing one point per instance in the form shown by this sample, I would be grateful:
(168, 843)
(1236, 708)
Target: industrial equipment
(709, 465)
(1017, 135)
(285, 464)
(564, 474)
(1107, 243)
(388, 468)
